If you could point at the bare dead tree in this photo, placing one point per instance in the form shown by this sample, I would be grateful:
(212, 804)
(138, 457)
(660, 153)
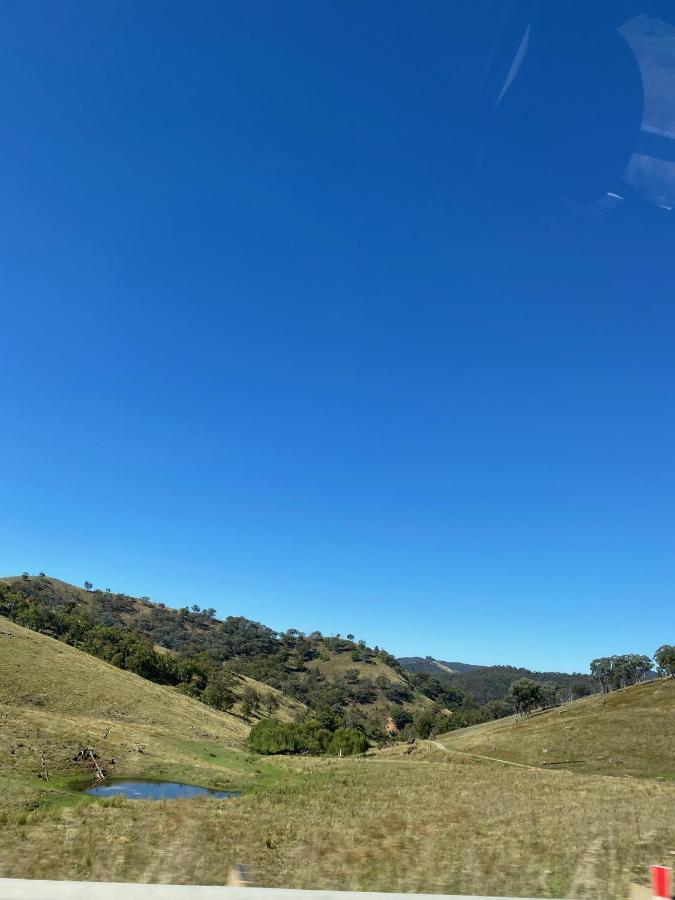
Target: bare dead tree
(89, 754)
(100, 774)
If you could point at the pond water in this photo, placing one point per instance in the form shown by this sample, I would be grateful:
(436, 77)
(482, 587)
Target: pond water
(156, 790)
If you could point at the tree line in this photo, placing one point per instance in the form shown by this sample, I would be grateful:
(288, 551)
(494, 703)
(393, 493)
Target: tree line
(614, 672)
(208, 657)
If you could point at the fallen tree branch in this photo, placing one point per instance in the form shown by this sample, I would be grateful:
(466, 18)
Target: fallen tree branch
(88, 753)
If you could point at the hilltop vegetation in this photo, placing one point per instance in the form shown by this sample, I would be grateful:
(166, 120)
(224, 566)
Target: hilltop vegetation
(431, 666)
(133, 651)
(629, 731)
(342, 681)
(201, 655)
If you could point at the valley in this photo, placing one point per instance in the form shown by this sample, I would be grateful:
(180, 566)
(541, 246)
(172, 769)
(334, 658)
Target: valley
(428, 816)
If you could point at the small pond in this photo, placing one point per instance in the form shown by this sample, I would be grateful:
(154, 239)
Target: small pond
(156, 790)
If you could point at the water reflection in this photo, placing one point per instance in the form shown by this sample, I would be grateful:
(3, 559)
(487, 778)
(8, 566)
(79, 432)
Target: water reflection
(156, 790)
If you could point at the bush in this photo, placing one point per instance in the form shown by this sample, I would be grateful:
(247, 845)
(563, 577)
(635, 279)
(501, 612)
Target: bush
(424, 723)
(398, 693)
(217, 692)
(312, 737)
(400, 717)
(348, 742)
(271, 736)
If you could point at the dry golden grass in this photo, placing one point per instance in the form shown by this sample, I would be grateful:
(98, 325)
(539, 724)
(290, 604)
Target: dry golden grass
(55, 699)
(340, 663)
(376, 713)
(627, 732)
(430, 821)
(37, 671)
(426, 822)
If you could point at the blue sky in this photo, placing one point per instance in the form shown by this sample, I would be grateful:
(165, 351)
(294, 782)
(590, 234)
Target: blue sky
(267, 347)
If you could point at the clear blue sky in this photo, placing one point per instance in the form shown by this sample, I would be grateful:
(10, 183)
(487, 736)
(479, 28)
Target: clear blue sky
(265, 348)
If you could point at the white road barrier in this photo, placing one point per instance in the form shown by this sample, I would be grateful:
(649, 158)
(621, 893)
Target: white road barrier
(20, 889)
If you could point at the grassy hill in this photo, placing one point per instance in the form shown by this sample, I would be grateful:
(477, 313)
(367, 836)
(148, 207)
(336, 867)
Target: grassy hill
(426, 821)
(55, 700)
(319, 671)
(390, 688)
(628, 732)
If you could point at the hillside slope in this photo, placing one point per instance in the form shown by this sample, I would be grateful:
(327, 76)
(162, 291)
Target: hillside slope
(38, 672)
(83, 620)
(627, 732)
(55, 700)
(322, 672)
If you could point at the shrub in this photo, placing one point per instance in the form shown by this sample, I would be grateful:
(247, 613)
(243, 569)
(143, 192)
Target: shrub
(400, 717)
(348, 742)
(271, 736)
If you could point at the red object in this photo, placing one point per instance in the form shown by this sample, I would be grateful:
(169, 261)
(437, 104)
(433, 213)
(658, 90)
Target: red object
(661, 876)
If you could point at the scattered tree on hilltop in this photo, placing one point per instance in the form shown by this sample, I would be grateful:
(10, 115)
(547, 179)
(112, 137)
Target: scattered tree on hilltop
(665, 660)
(270, 703)
(217, 692)
(613, 672)
(601, 670)
(526, 695)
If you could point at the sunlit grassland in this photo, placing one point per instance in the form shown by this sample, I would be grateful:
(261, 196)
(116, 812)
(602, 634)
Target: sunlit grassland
(55, 700)
(627, 732)
(426, 822)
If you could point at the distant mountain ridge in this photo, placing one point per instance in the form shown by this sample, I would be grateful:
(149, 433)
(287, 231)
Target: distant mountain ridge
(487, 683)
(432, 666)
